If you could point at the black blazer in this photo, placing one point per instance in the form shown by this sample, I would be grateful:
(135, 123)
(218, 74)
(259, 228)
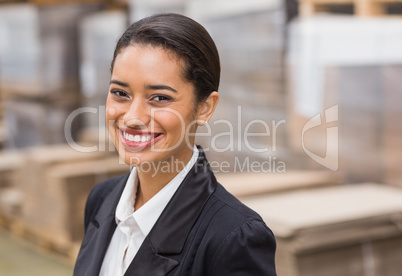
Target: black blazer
(203, 231)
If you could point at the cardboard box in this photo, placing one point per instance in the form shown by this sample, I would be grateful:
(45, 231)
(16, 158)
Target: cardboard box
(99, 33)
(50, 64)
(344, 230)
(55, 182)
(250, 39)
(3, 134)
(10, 163)
(142, 8)
(392, 129)
(10, 204)
(361, 85)
(35, 123)
(69, 186)
(368, 131)
(243, 185)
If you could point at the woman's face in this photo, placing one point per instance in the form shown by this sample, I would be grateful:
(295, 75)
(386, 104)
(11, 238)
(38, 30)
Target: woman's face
(150, 108)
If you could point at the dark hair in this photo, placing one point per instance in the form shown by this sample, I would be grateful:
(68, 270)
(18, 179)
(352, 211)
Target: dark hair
(184, 37)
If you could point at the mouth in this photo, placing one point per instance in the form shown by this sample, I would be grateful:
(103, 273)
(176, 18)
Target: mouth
(138, 139)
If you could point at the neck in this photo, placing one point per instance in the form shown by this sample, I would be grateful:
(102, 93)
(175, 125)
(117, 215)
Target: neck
(154, 178)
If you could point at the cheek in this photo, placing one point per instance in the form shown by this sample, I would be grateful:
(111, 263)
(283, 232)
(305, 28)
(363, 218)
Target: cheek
(171, 122)
(174, 123)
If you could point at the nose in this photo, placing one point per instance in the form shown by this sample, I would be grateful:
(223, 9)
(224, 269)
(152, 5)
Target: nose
(138, 115)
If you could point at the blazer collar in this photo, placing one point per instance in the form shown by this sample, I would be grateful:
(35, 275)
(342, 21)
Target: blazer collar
(170, 232)
(108, 207)
(102, 227)
(171, 229)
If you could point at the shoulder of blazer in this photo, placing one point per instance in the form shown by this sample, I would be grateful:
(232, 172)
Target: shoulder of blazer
(237, 207)
(232, 213)
(237, 232)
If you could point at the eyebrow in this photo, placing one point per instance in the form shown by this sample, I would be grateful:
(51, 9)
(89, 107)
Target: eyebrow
(121, 83)
(151, 86)
(160, 87)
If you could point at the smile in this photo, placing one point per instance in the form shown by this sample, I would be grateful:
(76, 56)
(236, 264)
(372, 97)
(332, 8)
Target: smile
(138, 139)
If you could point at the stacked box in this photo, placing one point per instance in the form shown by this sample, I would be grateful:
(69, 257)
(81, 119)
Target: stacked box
(368, 128)
(35, 123)
(392, 128)
(38, 48)
(39, 70)
(344, 230)
(95, 137)
(10, 163)
(98, 36)
(19, 64)
(69, 186)
(357, 85)
(55, 181)
(366, 8)
(10, 204)
(3, 136)
(142, 8)
(266, 183)
(360, 121)
(250, 40)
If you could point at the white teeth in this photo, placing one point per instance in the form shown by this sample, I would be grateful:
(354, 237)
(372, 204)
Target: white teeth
(137, 138)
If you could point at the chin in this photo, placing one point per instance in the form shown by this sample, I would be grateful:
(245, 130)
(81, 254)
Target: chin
(140, 158)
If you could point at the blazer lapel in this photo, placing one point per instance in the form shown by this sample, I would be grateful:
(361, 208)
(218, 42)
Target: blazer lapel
(170, 232)
(100, 232)
(149, 262)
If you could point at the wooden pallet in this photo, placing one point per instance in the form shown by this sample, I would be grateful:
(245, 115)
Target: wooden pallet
(365, 8)
(107, 4)
(58, 2)
(39, 239)
(53, 2)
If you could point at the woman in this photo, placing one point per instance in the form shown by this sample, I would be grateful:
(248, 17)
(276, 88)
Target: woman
(168, 216)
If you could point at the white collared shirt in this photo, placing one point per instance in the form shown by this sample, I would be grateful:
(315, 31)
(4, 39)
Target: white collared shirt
(134, 225)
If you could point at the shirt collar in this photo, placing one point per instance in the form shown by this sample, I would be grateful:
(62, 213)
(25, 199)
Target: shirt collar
(149, 213)
(125, 207)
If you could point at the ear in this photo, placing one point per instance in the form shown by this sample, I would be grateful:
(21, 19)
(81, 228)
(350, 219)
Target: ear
(206, 108)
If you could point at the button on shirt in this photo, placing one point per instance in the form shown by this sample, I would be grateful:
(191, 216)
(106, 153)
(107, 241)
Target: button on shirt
(134, 225)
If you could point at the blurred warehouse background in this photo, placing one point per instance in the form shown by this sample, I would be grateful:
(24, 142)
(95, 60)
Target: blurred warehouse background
(317, 81)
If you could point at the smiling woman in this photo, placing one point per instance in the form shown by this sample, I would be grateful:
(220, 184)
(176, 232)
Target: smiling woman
(168, 216)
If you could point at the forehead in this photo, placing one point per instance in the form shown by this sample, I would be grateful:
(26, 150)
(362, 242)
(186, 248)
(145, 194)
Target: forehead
(149, 55)
(149, 65)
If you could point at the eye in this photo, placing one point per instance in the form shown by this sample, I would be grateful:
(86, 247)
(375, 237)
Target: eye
(119, 93)
(161, 98)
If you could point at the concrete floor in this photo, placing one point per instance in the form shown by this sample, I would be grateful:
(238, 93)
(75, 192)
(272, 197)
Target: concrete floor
(19, 259)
